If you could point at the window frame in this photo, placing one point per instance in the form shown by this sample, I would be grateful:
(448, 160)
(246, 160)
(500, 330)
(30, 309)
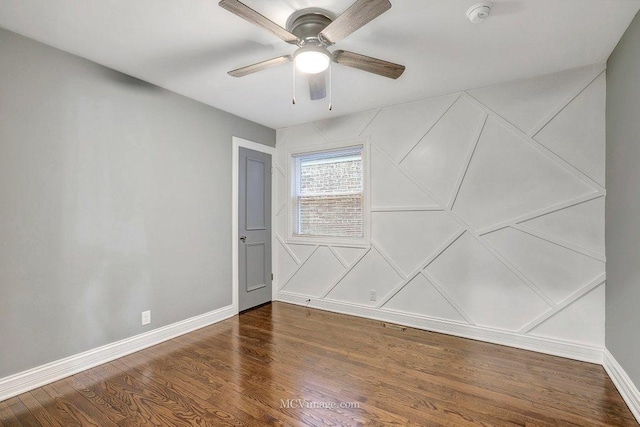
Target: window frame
(292, 153)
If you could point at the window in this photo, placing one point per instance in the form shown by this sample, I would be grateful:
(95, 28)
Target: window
(328, 196)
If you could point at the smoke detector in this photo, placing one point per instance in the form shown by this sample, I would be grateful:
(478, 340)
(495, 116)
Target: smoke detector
(479, 11)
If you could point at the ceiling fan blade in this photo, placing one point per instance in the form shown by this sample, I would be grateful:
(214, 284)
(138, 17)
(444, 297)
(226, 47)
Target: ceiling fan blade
(248, 14)
(369, 64)
(317, 86)
(253, 68)
(358, 14)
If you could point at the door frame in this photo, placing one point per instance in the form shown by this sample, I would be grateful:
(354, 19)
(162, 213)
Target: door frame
(237, 144)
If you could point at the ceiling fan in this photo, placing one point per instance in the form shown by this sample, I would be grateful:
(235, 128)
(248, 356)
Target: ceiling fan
(313, 31)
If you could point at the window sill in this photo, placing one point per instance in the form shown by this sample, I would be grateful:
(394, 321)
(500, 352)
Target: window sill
(349, 242)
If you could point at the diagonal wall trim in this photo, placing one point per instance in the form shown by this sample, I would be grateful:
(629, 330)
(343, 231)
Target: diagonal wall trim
(384, 300)
(322, 135)
(535, 144)
(516, 271)
(623, 383)
(431, 127)
(344, 263)
(374, 113)
(279, 170)
(411, 178)
(503, 260)
(446, 296)
(421, 267)
(541, 212)
(288, 249)
(463, 172)
(544, 122)
(526, 342)
(558, 242)
(370, 121)
(388, 259)
(285, 282)
(563, 304)
(344, 274)
(45, 374)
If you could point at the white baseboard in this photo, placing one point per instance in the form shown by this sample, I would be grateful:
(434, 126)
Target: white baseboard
(525, 342)
(33, 378)
(623, 383)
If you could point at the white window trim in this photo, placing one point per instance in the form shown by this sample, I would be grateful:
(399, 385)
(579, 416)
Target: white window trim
(360, 242)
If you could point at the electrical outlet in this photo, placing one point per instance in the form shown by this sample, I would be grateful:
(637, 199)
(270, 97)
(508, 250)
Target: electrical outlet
(373, 295)
(146, 317)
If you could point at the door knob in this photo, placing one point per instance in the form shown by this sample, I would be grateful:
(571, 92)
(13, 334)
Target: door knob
(243, 238)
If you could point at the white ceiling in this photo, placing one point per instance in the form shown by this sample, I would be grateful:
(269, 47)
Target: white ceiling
(187, 46)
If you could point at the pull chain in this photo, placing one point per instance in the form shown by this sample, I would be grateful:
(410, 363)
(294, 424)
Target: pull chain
(330, 103)
(293, 99)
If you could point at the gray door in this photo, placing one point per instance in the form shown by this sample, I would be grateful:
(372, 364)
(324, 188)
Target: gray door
(254, 229)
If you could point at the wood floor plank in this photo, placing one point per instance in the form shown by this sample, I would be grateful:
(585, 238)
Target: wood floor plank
(38, 411)
(287, 365)
(75, 406)
(21, 412)
(7, 418)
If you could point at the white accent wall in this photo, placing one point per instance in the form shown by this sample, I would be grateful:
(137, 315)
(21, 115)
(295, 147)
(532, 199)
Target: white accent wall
(487, 215)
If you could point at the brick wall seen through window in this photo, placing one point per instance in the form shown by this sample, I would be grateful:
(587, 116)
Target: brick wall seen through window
(329, 194)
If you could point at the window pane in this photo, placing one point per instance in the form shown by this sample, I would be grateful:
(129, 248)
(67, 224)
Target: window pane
(329, 198)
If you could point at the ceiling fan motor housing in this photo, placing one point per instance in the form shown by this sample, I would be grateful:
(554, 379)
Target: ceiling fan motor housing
(306, 24)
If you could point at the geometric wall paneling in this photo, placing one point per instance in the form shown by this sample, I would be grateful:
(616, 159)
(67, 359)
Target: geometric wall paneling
(298, 136)
(314, 275)
(508, 178)
(391, 188)
(280, 159)
(285, 263)
(419, 296)
(580, 225)
(467, 161)
(580, 322)
(345, 127)
(557, 271)
(373, 272)
(409, 237)
(577, 133)
(280, 134)
(517, 221)
(348, 255)
(526, 103)
(397, 129)
(281, 188)
(301, 252)
(281, 223)
(488, 292)
(486, 211)
(437, 160)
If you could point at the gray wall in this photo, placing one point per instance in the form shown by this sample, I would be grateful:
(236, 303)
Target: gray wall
(115, 197)
(623, 203)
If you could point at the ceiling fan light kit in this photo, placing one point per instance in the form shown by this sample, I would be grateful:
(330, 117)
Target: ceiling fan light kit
(312, 59)
(313, 31)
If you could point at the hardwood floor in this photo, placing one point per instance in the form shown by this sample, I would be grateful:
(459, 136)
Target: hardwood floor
(253, 370)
